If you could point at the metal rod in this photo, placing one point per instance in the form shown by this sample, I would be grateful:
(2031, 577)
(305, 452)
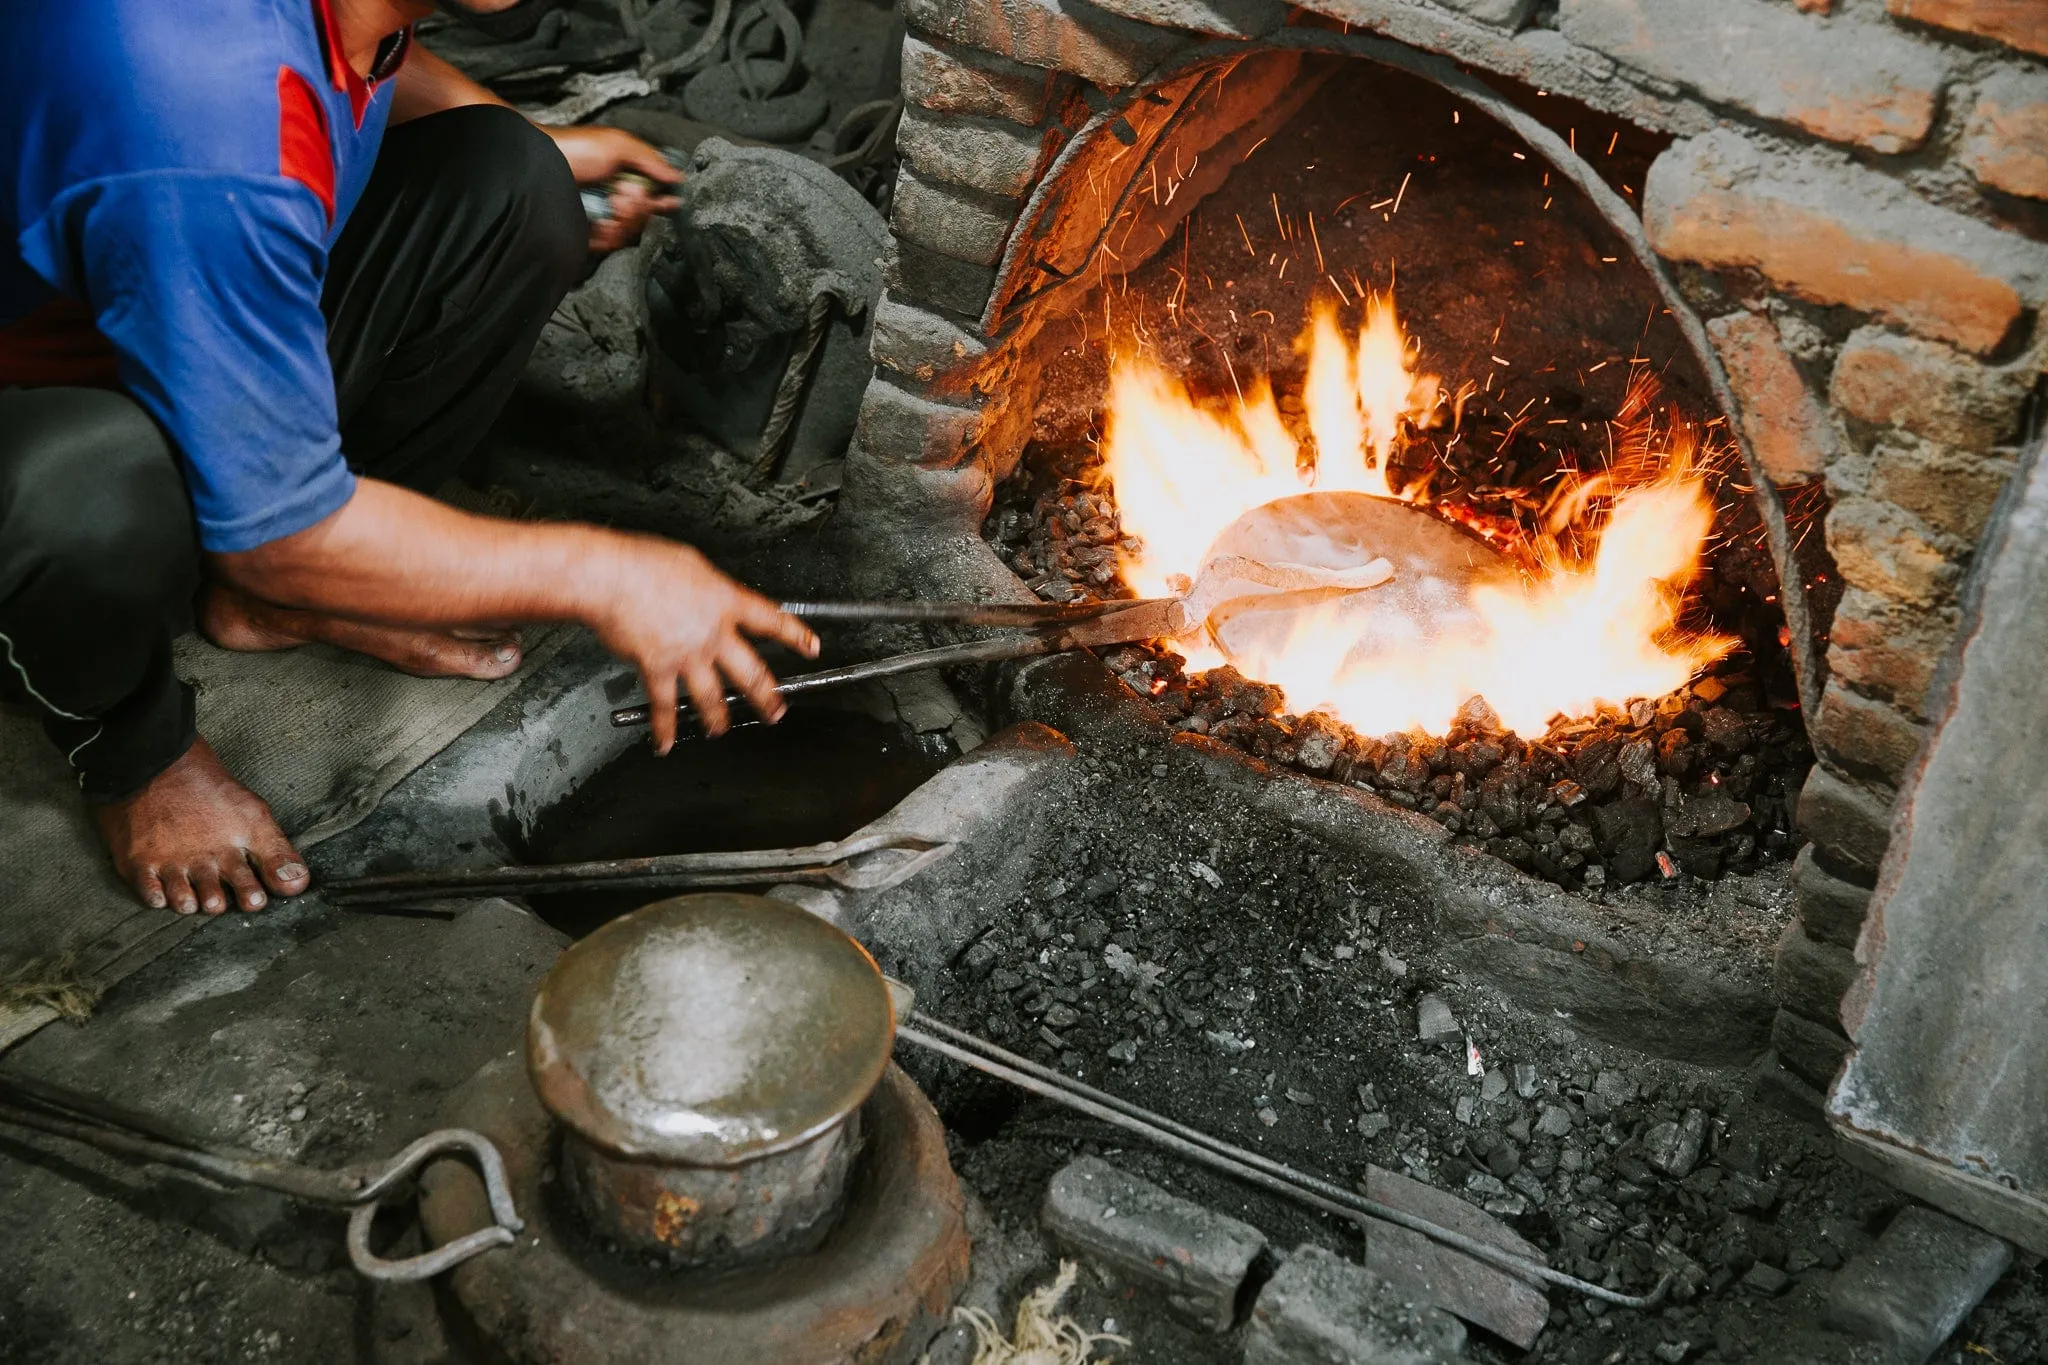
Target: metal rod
(744, 867)
(960, 613)
(1247, 1166)
(945, 656)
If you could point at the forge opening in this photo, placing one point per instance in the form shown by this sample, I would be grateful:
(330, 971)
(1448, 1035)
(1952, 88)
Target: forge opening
(1385, 290)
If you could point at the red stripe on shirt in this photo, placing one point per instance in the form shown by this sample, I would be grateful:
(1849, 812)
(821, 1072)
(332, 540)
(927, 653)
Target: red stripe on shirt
(303, 151)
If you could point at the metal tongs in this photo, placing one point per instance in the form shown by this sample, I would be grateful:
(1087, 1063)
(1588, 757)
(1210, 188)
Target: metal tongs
(1047, 628)
(360, 1188)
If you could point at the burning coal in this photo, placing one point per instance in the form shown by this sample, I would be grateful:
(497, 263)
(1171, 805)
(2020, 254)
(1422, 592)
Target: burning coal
(1587, 617)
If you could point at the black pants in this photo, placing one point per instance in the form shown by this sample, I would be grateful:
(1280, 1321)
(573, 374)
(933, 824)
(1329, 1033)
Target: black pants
(467, 236)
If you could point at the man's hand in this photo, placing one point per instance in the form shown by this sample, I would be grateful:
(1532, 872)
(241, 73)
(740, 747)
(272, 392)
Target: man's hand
(394, 557)
(595, 155)
(672, 615)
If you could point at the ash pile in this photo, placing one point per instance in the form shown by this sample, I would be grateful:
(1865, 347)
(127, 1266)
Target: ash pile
(1695, 784)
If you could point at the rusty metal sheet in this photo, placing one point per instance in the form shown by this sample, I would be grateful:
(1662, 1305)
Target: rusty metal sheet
(1946, 1090)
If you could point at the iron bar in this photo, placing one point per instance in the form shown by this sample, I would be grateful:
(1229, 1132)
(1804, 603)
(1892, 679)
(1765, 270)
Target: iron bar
(961, 613)
(749, 867)
(945, 656)
(1236, 1161)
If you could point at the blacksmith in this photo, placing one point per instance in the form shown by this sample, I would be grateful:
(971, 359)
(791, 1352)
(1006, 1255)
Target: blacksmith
(268, 269)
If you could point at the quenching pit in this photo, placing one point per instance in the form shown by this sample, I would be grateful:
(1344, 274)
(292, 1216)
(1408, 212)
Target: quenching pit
(717, 1161)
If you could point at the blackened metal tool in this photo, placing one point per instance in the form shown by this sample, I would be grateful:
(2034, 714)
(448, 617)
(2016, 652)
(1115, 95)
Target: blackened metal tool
(1049, 628)
(361, 1188)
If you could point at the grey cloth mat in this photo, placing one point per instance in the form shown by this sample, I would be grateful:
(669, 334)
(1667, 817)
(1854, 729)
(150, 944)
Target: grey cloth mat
(320, 734)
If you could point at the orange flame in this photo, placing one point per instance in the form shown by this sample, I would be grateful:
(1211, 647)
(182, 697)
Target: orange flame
(1576, 633)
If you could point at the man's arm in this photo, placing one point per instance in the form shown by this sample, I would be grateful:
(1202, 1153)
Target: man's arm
(394, 556)
(426, 84)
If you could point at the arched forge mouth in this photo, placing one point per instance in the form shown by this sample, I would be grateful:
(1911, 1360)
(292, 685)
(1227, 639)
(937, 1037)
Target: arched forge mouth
(1200, 221)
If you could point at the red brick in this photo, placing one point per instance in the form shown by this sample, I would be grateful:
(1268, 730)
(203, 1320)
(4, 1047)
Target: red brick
(2018, 22)
(1953, 491)
(1843, 80)
(896, 424)
(1927, 388)
(1837, 233)
(1884, 549)
(1059, 35)
(977, 84)
(1864, 736)
(1850, 821)
(1888, 649)
(2005, 143)
(1787, 428)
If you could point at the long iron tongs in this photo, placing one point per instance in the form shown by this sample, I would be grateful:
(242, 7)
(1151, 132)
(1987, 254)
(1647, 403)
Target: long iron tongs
(360, 1188)
(1049, 627)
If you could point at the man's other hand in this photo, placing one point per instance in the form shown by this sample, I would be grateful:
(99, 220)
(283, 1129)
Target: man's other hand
(673, 616)
(597, 154)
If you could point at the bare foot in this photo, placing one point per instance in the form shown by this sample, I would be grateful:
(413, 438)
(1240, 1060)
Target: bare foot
(195, 838)
(233, 620)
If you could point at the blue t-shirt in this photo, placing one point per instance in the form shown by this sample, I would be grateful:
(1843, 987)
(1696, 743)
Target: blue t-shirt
(172, 175)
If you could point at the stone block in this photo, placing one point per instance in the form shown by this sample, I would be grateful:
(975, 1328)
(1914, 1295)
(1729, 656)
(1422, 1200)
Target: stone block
(1917, 1284)
(1838, 233)
(1831, 909)
(1320, 1309)
(2016, 22)
(1811, 978)
(921, 345)
(918, 274)
(1849, 820)
(1932, 390)
(1882, 548)
(1864, 736)
(2005, 141)
(1952, 491)
(1431, 1273)
(1888, 649)
(1197, 1258)
(1788, 429)
(1862, 83)
(1058, 35)
(896, 503)
(995, 157)
(977, 84)
(1810, 1050)
(1506, 13)
(951, 221)
(896, 424)
(1210, 18)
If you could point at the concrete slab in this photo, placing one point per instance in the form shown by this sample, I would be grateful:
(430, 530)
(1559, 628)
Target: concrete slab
(1948, 1079)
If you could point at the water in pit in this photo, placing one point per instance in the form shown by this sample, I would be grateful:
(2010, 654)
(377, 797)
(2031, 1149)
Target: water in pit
(821, 774)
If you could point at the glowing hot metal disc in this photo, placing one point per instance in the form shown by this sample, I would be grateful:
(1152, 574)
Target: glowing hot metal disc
(1389, 575)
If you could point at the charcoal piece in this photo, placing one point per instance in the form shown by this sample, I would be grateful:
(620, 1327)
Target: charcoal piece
(1476, 758)
(1638, 763)
(1503, 797)
(1697, 857)
(1244, 696)
(1630, 831)
(1707, 815)
(1597, 767)
(1318, 742)
(1726, 730)
(1674, 753)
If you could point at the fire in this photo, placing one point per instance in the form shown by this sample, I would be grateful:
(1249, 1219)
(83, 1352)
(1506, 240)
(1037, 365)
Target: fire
(1590, 622)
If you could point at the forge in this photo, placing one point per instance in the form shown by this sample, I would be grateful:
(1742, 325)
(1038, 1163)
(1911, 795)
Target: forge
(1553, 880)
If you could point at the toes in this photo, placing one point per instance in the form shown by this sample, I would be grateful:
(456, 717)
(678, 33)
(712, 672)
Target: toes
(178, 890)
(150, 887)
(241, 879)
(279, 864)
(206, 882)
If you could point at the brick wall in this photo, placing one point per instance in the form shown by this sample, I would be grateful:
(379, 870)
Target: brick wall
(1856, 202)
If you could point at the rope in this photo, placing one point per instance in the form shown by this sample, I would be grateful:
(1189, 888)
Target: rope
(796, 376)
